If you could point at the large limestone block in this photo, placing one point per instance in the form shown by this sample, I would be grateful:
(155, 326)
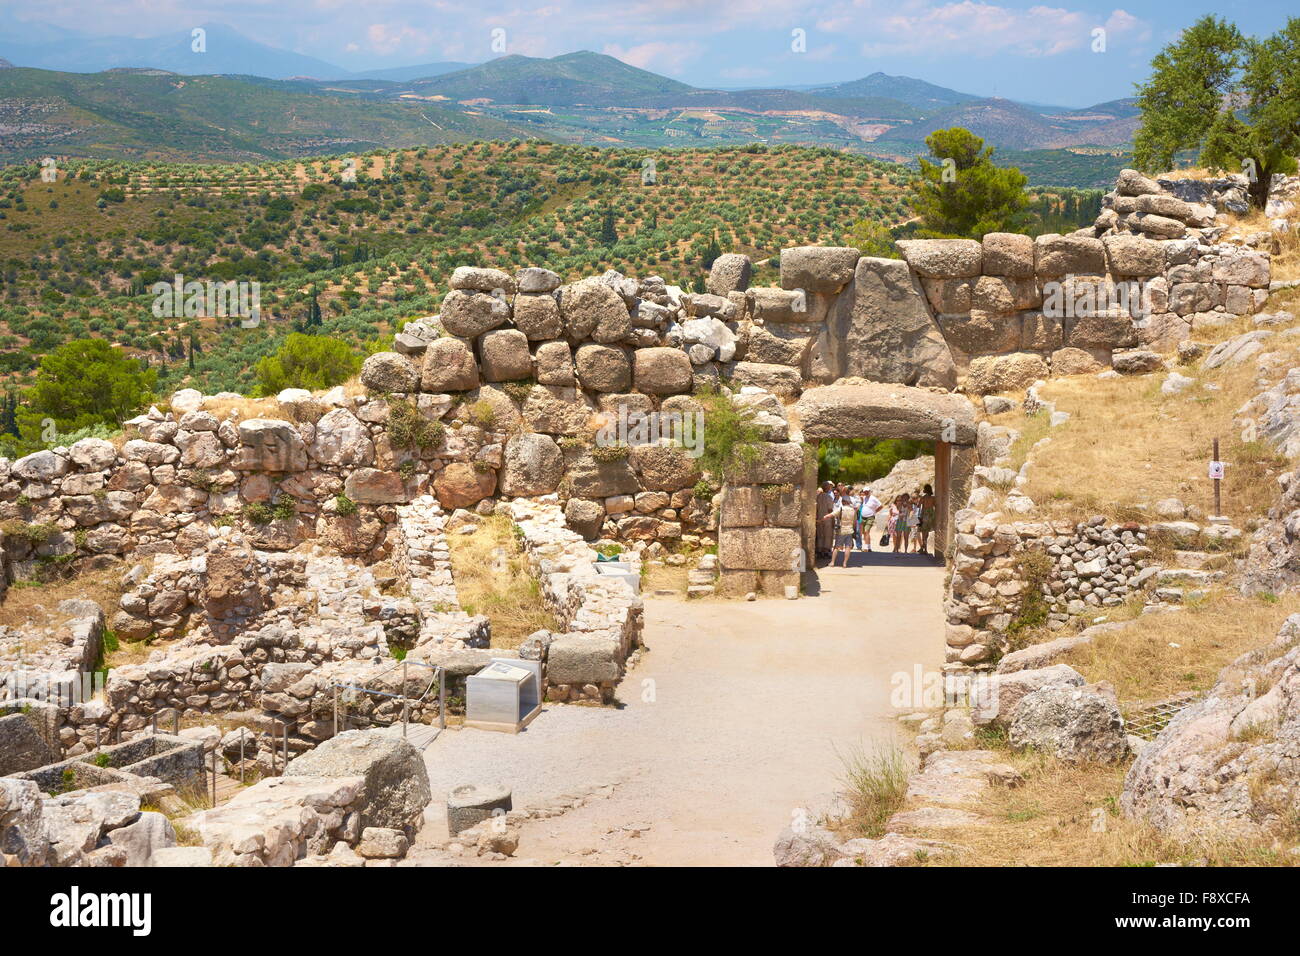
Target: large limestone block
(817, 268)
(857, 409)
(1104, 330)
(589, 478)
(772, 463)
(478, 279)
(449, 366)
(662, 371)
(554, 363)
(730, 273)
(980, 332)
(533, 465)
(538, 317)
(779, 305)
(269, 444)
(779, 345)
(389, 372)
(943, 258)
(780, 379)
(759, 549)
(1068, 255)
(665, 467)
(396, 782)
(505, 356)
(461, 485)
(593, 310)
(1005, 373)
(880, 328)
(470, 314)
(341, 439)
(1008, 254)
(1130, 255)
(582, 659)
(558, 410)
(1070, 723)
(604, 368)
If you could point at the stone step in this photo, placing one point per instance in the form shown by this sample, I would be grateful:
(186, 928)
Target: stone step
(1186, 576)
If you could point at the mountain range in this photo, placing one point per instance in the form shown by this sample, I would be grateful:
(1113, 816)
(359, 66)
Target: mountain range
(156, 97)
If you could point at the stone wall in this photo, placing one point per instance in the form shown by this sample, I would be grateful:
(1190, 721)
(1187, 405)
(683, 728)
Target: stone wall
(1077, 569)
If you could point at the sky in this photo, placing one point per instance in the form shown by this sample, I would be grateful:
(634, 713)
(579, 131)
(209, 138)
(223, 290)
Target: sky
(1039, 52)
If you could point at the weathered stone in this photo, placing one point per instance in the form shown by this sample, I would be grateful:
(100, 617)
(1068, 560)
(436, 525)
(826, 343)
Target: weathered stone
(593, 310)
(538, 317)
(604, 368)
(533, 465)
(943, 258)
(470, 314)
(856, 409)
(389, 372)
(478, 279)
(1005, 373)
(661, 371)
(449, 366)
(817, 268)
(269, 444)
(730, 273)
(505, 356)
(881, 329)
(554, 363)
(396, 782)
(1074, 724)
(462, 485)
(1008, 254)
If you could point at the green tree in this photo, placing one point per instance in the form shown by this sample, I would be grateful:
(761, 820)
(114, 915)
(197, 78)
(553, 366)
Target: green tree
(307, 361)
(874, 239)
(967, 196)
(85, 382)
(1235, 99)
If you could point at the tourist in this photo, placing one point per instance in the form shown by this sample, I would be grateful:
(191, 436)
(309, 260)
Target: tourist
(901, 514)
(867, 511)
(927, 518)
(825, 505)
(844, 521)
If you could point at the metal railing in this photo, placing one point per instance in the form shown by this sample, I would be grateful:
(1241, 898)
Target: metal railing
(438, 679)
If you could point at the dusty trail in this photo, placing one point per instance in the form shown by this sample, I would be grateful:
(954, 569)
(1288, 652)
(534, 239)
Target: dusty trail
(732, 719)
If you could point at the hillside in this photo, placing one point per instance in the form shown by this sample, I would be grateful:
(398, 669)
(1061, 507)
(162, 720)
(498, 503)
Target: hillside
(155, 115)
(905, 89)
(582, 77)
(1013, 126)
(80, 254)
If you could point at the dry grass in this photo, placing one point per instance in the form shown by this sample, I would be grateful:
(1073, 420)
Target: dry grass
(1127, 446)
(657, 576)
(1066, 815)
(36, 604)
(1162, 654)
(492, 578)
(875, 785)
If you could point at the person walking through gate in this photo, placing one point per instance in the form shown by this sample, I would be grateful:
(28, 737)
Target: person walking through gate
(927, 519)
(844, 520)
(867, 515)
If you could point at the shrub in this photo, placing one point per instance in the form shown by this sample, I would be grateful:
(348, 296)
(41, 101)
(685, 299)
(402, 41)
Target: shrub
(344, 506)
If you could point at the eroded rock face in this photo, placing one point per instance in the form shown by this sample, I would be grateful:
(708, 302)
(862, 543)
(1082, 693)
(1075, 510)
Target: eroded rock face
(1273, 563)
(880, 328)
(1228, 764)
(396, 782)
(533, 465)
(270, 444)
(1072, 723)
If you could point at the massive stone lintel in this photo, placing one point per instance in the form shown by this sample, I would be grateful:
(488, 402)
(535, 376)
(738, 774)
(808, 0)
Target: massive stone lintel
(854, 408)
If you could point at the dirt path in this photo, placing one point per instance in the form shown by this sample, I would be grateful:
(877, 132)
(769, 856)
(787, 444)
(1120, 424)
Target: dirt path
(731, 720)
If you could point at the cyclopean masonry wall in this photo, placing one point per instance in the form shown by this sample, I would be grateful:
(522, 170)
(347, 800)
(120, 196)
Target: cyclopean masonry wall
(498, 400)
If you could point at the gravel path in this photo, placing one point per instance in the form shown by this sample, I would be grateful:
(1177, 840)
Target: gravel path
(734, 717)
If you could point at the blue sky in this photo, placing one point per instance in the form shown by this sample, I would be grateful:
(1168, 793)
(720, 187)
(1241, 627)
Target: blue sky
(1032, 51)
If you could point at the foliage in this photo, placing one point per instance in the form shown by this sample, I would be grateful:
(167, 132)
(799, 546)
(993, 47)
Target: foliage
(857, 460)
(1234, 98)
(81, 385)
(344, 506)
(407, 428)
(730, 436)
(307, 361)
(977, 198)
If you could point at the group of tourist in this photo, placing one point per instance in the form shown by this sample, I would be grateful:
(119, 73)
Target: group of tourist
(848, 518)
